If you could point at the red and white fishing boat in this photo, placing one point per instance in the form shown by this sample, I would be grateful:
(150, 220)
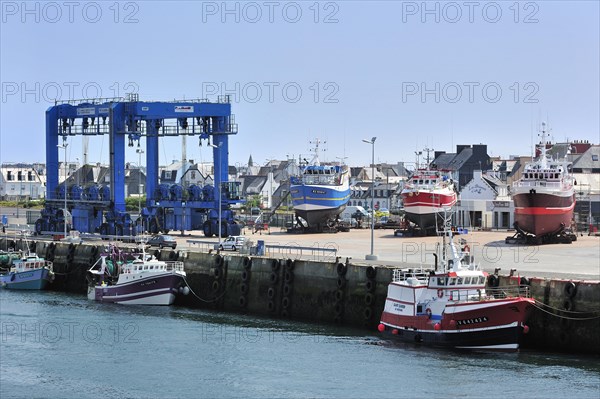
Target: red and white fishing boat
(544, 197)
(143, 281)
(450, 306)
(426, 195)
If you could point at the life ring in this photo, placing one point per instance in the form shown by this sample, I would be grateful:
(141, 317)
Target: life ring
(428, 312)
(440, 293)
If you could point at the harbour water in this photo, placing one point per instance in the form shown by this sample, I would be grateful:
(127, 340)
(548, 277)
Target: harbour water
(61, 345)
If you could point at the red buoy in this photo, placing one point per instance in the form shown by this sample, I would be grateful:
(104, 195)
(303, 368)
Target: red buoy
(395, 332)
(525, 329)
(381, 327)
(437, 326)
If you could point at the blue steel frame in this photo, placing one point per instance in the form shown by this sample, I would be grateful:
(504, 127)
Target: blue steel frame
(133, 119)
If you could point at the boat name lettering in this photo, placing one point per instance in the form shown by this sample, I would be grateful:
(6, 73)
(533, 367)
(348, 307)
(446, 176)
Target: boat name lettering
(399, 306)
(184, 108)
(148, 283)
(471, 321)
(26, 275)
(319, 192)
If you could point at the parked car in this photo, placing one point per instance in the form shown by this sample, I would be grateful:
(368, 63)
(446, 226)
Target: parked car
(232, 243)
(161, 241)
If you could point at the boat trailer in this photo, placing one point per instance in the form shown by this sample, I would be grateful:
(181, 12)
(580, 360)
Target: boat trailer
(562, 236)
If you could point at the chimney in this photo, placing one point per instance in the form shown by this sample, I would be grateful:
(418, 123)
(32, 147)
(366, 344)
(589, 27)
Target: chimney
(460, 147)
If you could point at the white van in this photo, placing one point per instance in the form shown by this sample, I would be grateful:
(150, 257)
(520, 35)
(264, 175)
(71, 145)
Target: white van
(351, 210)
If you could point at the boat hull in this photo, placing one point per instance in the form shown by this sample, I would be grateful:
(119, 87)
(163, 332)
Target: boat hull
(504, 339)
(541, 214)
(154, 290)
(37, 279)
(478, 325)
(319, 204)
(425, 208)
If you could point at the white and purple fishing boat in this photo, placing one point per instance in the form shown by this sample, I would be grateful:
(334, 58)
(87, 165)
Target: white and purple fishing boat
(143, 281)
(30, 272)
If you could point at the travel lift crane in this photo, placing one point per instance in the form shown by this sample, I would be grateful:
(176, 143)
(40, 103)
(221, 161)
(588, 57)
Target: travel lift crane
(100, 207)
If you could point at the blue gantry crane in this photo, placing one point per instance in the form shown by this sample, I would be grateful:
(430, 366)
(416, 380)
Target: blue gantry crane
(100, 207)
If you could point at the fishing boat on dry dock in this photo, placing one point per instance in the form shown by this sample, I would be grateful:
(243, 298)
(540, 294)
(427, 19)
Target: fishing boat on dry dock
(320, 193)
(426, 195)
(544, 197)
(143, 281)
(29, 272)
(450, 306)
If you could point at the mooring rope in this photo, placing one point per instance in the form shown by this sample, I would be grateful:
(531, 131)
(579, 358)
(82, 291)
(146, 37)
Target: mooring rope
(201, 299)
(564, 311)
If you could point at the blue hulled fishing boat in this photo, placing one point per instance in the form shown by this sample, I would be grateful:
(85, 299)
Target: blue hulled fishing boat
(320, 193)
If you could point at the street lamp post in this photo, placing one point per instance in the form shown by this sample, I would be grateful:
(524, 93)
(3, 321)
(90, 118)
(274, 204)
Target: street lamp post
(372, 256)
(140, 152)
(64, 146)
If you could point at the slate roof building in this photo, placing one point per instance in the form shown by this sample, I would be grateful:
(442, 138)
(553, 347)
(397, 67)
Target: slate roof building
(463, 162)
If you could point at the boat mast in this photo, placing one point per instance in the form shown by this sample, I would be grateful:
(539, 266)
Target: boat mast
(315, 160)
(427, 150)
(543, 153)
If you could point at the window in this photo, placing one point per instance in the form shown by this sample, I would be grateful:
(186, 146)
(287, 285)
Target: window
(452, 281)
(441, 281)
(594, 157)
(9, 176)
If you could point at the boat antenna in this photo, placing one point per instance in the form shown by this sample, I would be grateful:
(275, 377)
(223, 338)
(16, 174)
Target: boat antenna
(427, 150)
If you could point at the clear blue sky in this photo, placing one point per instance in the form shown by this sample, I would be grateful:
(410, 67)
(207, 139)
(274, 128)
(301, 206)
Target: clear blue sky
(361, 67)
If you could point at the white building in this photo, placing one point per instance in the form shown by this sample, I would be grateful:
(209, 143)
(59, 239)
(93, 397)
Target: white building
(19, 182)
(485, 203)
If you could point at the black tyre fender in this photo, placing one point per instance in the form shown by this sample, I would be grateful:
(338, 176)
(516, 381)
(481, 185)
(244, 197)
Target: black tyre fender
(245, 276)
(369, 299)
(570, 289)
(371, 272)
(247, 263)
(288, 277)
(493, 280)
(370, 285)
(274, 265)
(289, 265)
(341, 269)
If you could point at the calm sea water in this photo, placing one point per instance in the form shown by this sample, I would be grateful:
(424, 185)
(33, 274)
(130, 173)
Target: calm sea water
(60, 345)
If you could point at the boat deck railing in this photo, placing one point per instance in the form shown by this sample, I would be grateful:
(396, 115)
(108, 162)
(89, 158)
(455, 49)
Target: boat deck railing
(419, 274)
(538, 183)
(509, 291)
(174, 266)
